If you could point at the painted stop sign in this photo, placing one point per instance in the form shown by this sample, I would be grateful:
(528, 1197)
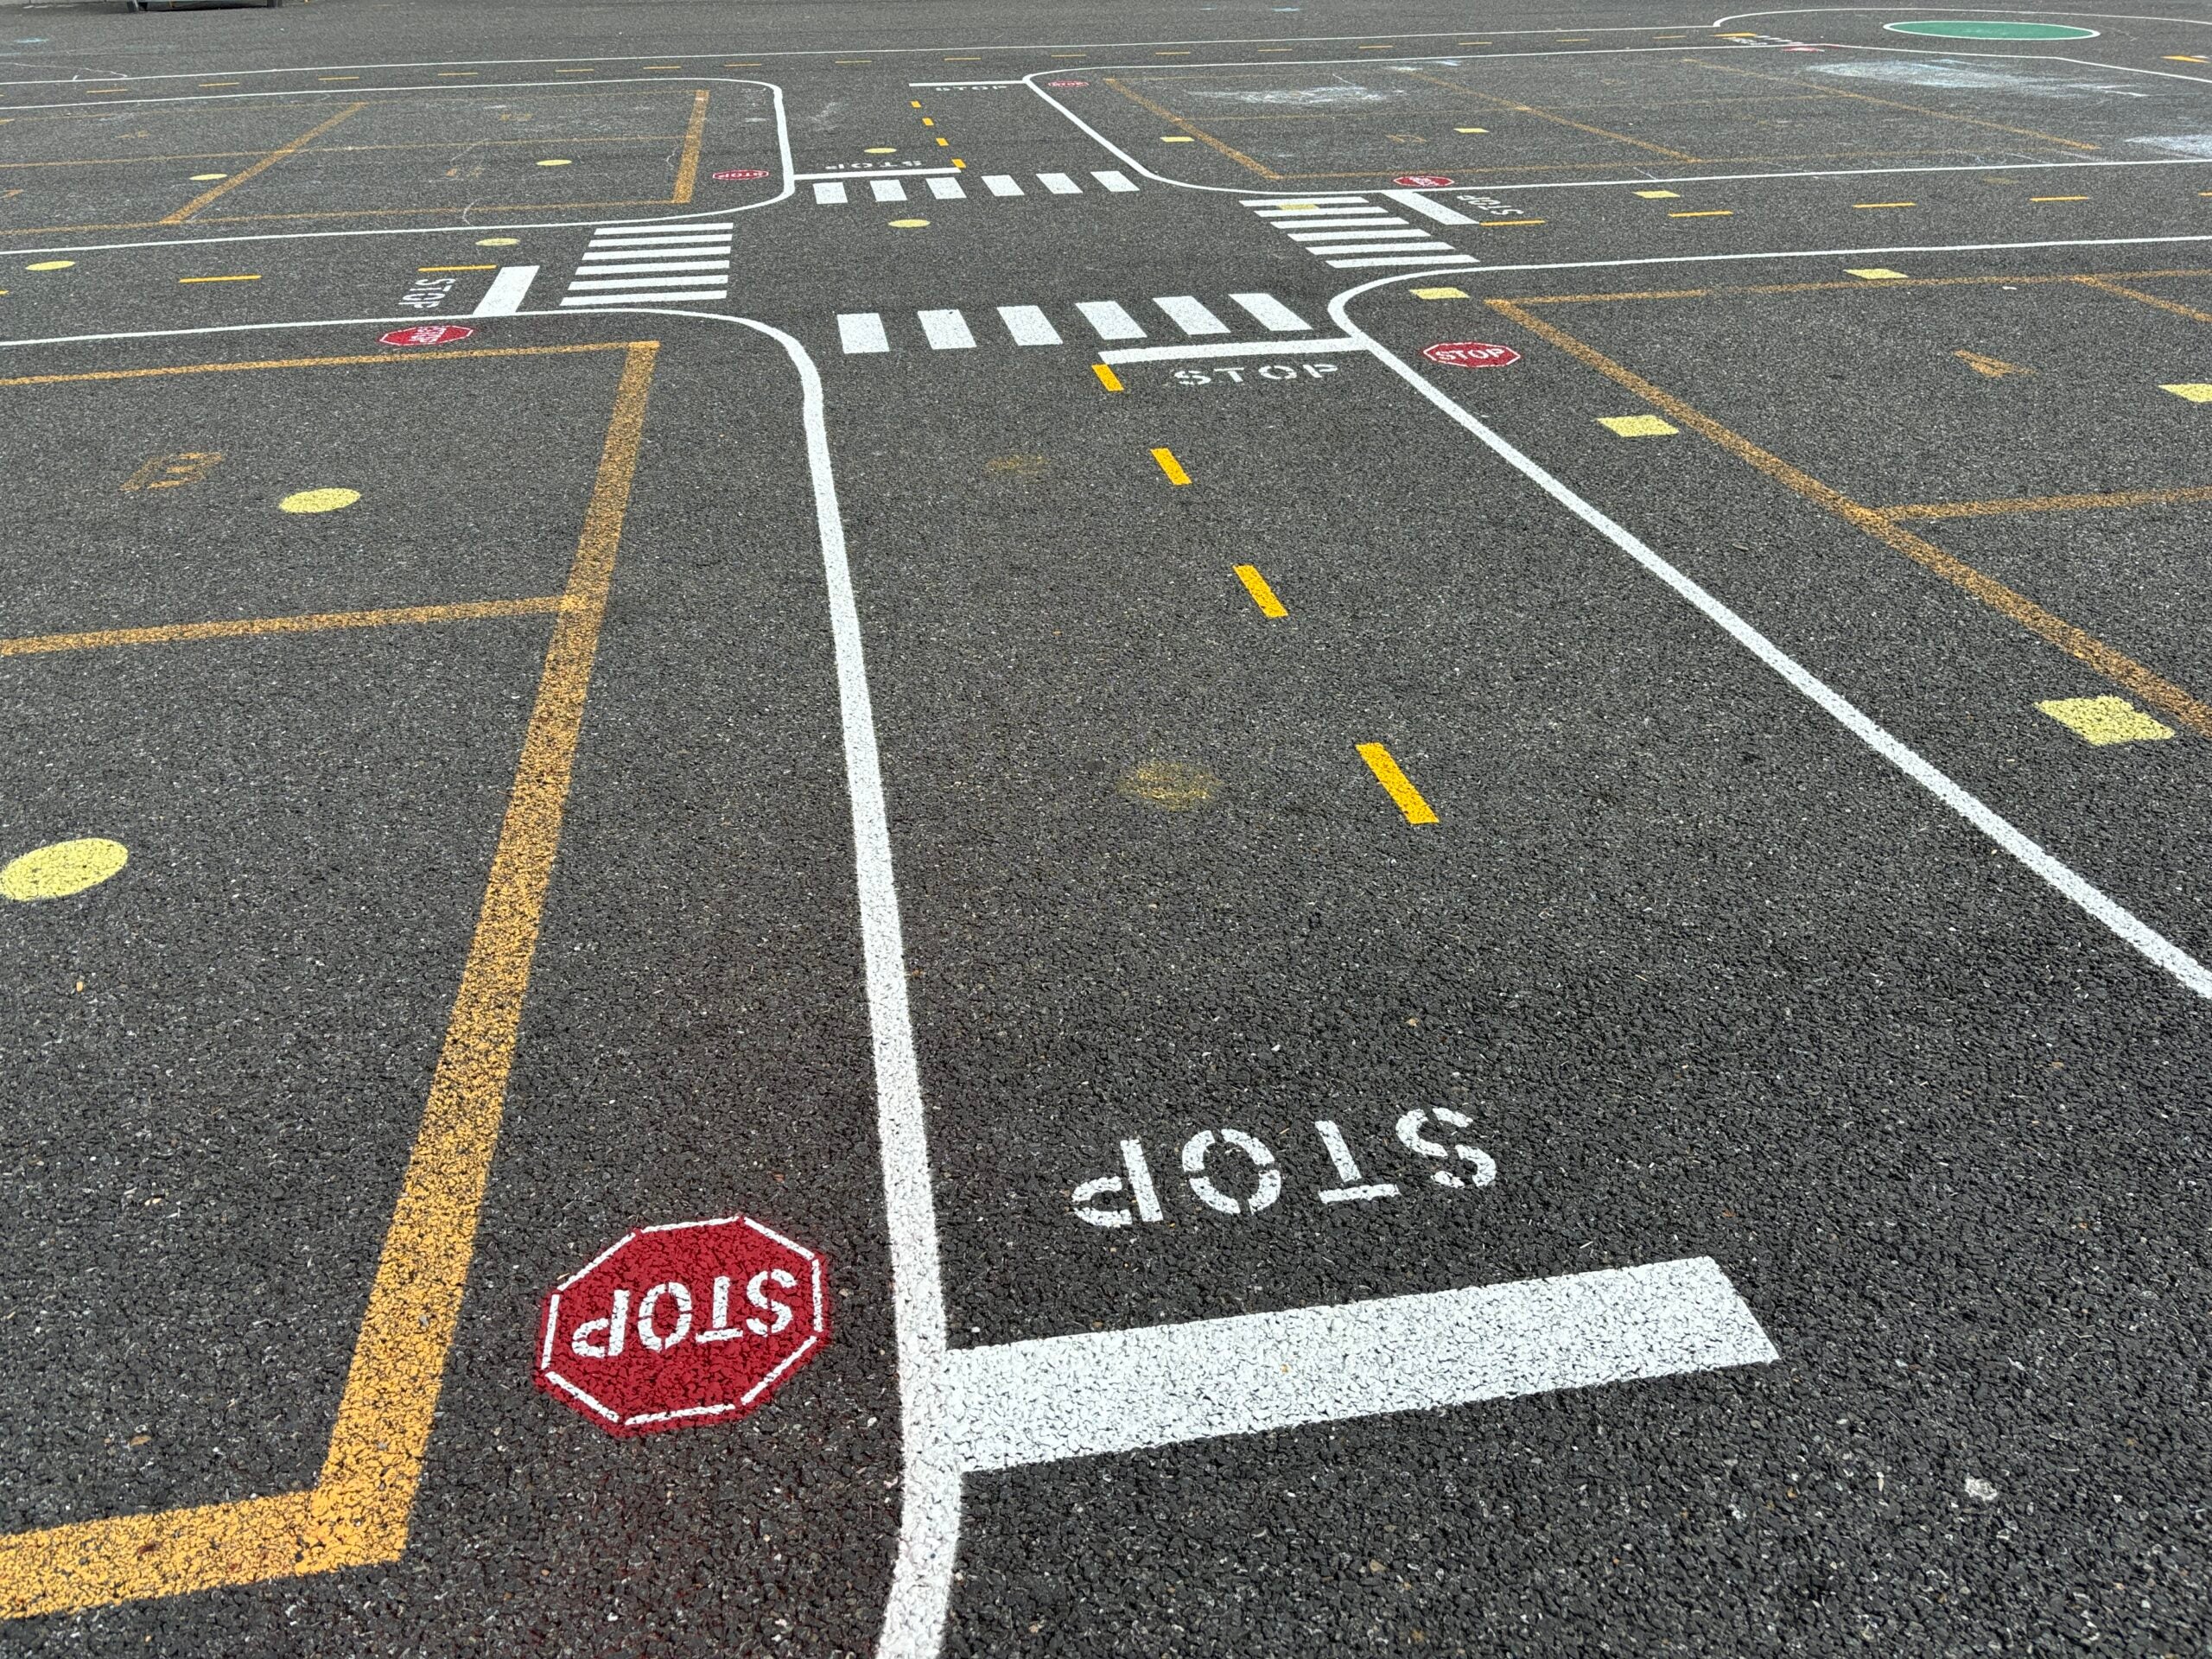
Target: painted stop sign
(1471, 354)
(430, 334)
(742, 172)
(1423, 181)
(693, 1322)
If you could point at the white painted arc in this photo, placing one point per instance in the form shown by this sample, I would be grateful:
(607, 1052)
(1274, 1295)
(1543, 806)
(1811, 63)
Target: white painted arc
(1109, 321)
(2076, 889)
(1271, 312)
(1187, 314)
(1077, 1396)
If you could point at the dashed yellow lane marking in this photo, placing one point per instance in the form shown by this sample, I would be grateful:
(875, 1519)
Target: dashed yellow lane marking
(255, 278)
(2058, 198)
(1506, 224)
(1637, 426)
(1262, 595)
(1866, 207)
(1704, 213)
(208, 178)
(1106, 378)
(2191, 391)
(1470, 130)
(1877, 274)
(907, 224)
(1438, 293)
(1170, 466)
(557, 161)
(337, 77)
(498, 242)
(59, 870)
(2105, 720)
(283, 153)
(2077, 643)
(882, 150)
(1660, 195)
(426, 270)
(182, 634)
(1396, 784)
(206, 85)
(51, 264)
(356, 1514)
(1177, 138)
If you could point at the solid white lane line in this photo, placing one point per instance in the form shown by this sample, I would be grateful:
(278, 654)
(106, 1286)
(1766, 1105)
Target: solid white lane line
(1428, 207)
(509, 288)
(1120, 183)
(946, 331)
(947, 189)
(1001, 184)
(1059, 184)
(1225, 348)
(1109, 320)
(861, 331)
(1077, 1396)
(1272, 313)
(1028, 325)
(1406, 259)
(2122, 923)
(829, 193)
(1187, 314)
(887, 189)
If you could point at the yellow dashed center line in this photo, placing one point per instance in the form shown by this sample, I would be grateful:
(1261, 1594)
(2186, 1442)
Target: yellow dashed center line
(1498, 224)
(218, 279)
(426, 270)
(2058, 198)
(1885, 204)
(1704, 213)
(1396, 784)
(1262, 595)
(1106, 378)
(1170, 466)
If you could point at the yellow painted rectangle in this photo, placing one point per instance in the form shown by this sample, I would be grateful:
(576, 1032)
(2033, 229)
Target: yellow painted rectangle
(1877, 274)
(1439, 293)
(1170, 466)
(1704, 213)
(2194, 392)
(1106, 378)
(1262, 595)
(1396, 784)
(2101, 720)
(1637, 426)
(218, 279)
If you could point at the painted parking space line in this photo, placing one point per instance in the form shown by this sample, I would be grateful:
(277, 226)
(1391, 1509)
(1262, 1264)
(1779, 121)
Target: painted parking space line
(1399, 787)
(1170, 467)
(1263, 595)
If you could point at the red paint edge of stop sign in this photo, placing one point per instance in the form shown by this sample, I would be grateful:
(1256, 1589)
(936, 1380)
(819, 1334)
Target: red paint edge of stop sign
(1423, 181)
(1473, 355)
(428, 334)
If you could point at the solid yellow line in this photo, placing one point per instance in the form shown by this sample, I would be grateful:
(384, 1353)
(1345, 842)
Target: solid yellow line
(1885, 204)
(2048, 503)
(218, 279)
(1397, 783)
(1891, 104)
(687, 170)
(2058, 198)
(260, 166)
(1262, 595)
(245, 627)
(1705, 212)
(427, 268)
(2104, 285)
(2077, 643)
(315, 363)
(1170, 466)
(1193, 130)
(1547, 115)
(1106, 378)
(357, 1513)
(1500, 224)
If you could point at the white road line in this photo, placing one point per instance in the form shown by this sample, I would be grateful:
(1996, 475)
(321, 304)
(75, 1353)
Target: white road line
(844, 173)
(1414, 250)
(1405, 259)
(1365, 210)
(1187, 314)
(1001, 184)
(1109, 320)
(947, 189)
(830, 193)
(657, 227)
(633, 278)
(1120, 183)
(1387, 227)
(598, 249)
(1413, 201)
(946, 331)
(657, 297)
(861, 331)
(656, 267)
(1028, 325)
(887, 189)
(1226, 348)
(1272, 313)
(2123, 924)
(509, 288)
(1077, 1396)
(1296, 201)
(1059, 184)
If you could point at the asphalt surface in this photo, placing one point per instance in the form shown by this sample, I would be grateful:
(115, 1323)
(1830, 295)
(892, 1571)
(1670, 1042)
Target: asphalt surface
(972, 695)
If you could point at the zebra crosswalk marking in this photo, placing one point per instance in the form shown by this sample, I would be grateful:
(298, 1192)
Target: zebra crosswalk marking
(888, 189)
(1119, 183)
(1001, 184)
(652, 264)
(1059, 184)
(1187, 314)
(946, 331)
(1109, 321)
(829, 193)
(860, 332)
(1271, 312)
(1028, 325)
(947, 190)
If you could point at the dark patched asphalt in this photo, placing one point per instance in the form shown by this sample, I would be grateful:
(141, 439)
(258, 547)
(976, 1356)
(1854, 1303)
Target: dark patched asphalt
(1710, 976)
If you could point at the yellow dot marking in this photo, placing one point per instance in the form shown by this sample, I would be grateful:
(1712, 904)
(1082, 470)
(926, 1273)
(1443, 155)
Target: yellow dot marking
(1170, 466)
(2192, 392)
(61, 868)
(318, 500)
(1659, 195)
(1877, 274)
(1106, 378)
(1704, 213)
(497, 241)
(882, 150)
(427, 270)
(207, 178)
(1262, 595)
(1439, 293)
(51, 264)
(557, 163)
(1178, 138)
(1396, 784)
(1637, 426)
(2105, 720)
(908, 223)
(218, 279)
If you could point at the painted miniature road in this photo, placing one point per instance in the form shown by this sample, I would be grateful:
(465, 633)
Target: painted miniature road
(1396, 828)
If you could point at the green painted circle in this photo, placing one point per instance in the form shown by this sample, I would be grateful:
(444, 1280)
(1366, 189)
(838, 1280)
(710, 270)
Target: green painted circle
(1995, 31)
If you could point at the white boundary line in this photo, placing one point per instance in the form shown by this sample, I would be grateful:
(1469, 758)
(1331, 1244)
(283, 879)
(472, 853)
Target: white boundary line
(2001, 11)
(2075, 889)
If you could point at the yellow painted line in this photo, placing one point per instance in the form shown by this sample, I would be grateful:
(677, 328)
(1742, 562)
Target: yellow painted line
(260, 166)
(1703, 213)
(337, 77)
(1396, 784)
(311, 363)
(356, 1514)
(1885, 204)
(457, 74)
(1637, 426)
(218, 279)
(1990, 368)
(1183, 54)
(427, 270)
(2104, 499)
(573, 72)
(687, 167)
(206, 85)
(850, 63)
(1659, 195)
(97, 90)
(177, 634)
(2101, 720)
(1877, 274)
(1438, 293)
(2196, 392)
(1501, 223)
(1262, 595)
(2183, 57)
(1106, 378)
(2077, 643)
(740, 65)
(2058, 198)
(963, 59)
(664, 65)
(1170, 466)
(2106, 285)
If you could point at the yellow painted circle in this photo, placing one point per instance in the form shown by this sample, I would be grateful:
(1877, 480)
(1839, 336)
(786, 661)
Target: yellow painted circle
(554, 164)
(318, 500)
(51, 264)
(908, 223)
(497, 241)
(884, 149)
(61, 868)
(203, 178)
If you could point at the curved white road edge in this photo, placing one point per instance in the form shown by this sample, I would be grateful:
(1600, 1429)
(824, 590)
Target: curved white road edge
(2130, 929)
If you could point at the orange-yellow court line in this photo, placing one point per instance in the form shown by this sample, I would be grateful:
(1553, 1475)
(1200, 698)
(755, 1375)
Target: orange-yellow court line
(2077, 643)
(356, 1514)
(2048, 503)
(1861, 286)
(1915, 108)
(1191, 128)
(2106, 285)
(315, 363)
(1497, 102)
(687, 170)
(170, 633)
(246, 175)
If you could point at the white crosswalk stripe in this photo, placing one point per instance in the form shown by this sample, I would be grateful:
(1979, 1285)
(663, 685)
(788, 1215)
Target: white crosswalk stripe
(1059, 184)
(947, 189)
(948, 329)
(955, 187)
(674, 260)
(887, 189)
(1352, 232)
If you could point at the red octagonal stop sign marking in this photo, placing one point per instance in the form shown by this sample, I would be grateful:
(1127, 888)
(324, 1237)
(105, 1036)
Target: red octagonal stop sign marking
(428, 334)
(1473, 355)
(694, 1322)
(1423, 181)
